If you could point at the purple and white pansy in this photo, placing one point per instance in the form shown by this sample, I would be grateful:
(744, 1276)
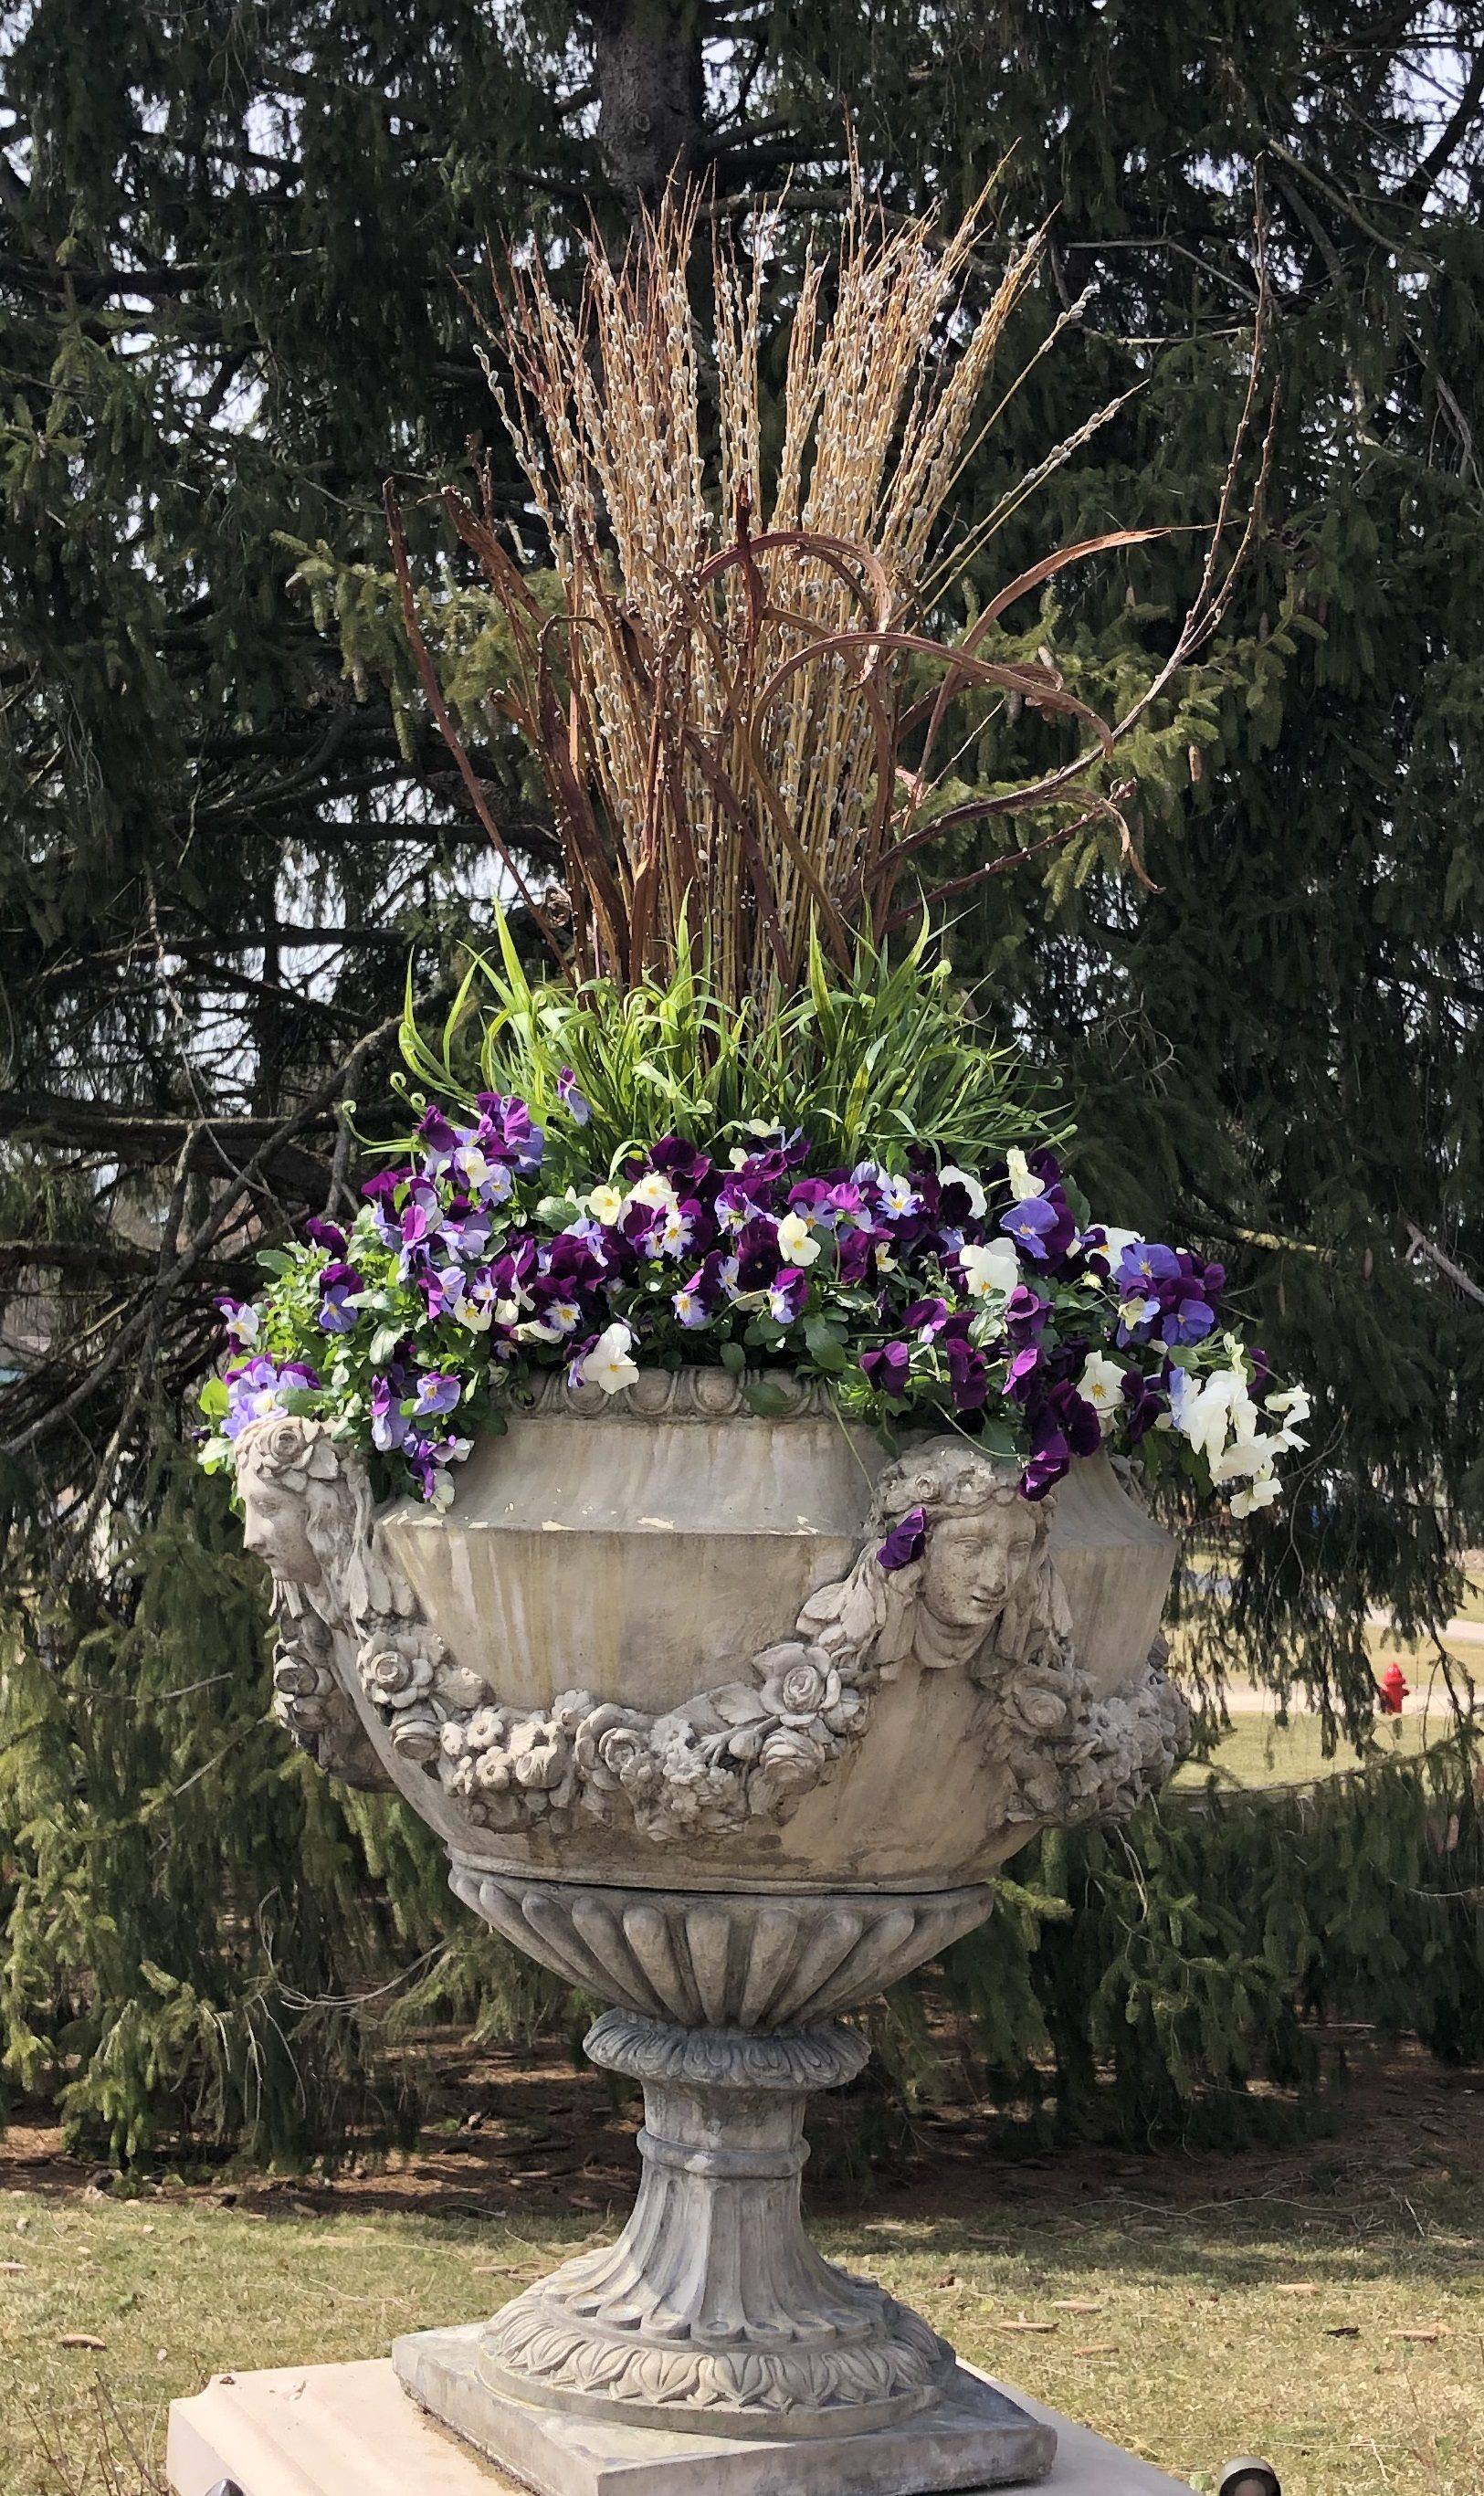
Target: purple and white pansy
(927, 1294)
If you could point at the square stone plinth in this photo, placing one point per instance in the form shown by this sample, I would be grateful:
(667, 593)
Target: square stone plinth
(354, 2431)
(973, 2437)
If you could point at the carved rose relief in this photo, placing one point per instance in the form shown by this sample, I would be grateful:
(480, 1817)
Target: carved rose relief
(982, 1598)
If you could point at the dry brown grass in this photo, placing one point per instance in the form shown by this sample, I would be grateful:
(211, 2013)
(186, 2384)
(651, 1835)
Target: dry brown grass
(741, 712)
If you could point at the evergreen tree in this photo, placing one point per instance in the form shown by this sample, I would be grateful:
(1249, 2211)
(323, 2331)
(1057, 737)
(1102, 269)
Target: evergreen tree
(235, 244)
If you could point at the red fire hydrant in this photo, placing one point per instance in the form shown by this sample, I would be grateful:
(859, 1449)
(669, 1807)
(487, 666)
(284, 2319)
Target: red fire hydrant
(1393, 1689)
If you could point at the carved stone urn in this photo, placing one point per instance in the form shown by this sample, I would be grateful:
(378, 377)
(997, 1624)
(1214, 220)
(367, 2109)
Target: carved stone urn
(690, 1743)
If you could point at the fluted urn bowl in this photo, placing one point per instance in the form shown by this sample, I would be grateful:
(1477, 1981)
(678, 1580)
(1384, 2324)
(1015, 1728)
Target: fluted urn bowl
(730, 1720)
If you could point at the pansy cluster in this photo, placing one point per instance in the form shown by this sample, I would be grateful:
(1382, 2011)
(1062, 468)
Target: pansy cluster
(986, 1299)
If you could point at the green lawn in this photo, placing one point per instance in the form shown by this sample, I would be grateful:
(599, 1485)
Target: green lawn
(1259, 1752)
(1270, 2317)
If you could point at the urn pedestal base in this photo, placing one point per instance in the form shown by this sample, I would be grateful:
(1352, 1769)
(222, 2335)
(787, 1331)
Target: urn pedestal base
(970, 2436)
(713, 2314)
(712, 2351)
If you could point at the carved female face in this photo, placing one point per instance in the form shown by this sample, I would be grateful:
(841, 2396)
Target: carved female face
(275, 1524)
(972, 1562)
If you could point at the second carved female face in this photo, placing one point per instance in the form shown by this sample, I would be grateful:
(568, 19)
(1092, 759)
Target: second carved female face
(274, 1525)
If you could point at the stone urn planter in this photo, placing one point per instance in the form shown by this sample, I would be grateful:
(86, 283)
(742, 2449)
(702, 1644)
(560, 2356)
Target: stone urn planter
(692, 1744)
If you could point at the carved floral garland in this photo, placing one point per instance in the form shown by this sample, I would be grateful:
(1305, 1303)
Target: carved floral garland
(983, 1596)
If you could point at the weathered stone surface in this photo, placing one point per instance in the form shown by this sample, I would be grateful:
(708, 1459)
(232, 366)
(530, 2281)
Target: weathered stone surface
(713, 2313)
(352, 2431)
(698, 1957)
(695, 1672)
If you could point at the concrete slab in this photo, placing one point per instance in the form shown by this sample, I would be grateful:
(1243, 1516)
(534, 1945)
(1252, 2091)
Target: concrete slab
(352, 2431)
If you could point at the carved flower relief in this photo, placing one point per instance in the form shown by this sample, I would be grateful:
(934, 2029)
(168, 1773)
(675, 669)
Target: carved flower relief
(304, 1687)
(396, 1678)
(791, 1760)
(399, 1677)
(802, 1686)
(513, 1767)
(612, 1753)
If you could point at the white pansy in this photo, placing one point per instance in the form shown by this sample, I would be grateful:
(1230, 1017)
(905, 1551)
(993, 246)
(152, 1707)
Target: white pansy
(995, 1269)
(1295, 1401)
(606, 1204)
(1296, 1404)
(554, 1324)
(950, 1176)
(1101, 1383)
(607, 1365)
(675, 1232)
(476, 1315)
(1023, 1180)
(1203, 1413)
(653, 1189)
(796, 1244)
(1243, 1460)
(1260, 1492)
(1115, 1241)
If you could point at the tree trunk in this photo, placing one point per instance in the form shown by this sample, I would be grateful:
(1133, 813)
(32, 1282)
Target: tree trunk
(650, 85)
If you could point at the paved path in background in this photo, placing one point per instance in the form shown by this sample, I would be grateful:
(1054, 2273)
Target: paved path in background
(1246, 1698)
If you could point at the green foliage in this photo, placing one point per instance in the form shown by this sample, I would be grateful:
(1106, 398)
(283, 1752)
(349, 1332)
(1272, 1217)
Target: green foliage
(868, 1065)
(1137, 1983)
(189, 1913)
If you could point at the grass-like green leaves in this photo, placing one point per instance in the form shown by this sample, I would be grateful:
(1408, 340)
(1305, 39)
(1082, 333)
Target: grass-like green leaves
(868, 1064)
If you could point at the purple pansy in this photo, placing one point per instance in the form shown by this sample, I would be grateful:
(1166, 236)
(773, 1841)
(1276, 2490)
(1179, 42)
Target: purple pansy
(925, 1319)
(1049, 1461)
(682, 1164)
(787, 1293)
(438, 1391)
(259, 1387)
(509, 1127)
(1074, 1419)
(1026, 1312)
(1143, 1405)
(388, 1422)
(905, 1543)
(885, 1368)
(1022, 1378)
(243, 1323)
(1042, 1227)
(968, 1375)
(339, 1284)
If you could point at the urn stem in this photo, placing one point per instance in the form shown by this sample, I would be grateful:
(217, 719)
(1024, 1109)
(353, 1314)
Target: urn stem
(713, 2313)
